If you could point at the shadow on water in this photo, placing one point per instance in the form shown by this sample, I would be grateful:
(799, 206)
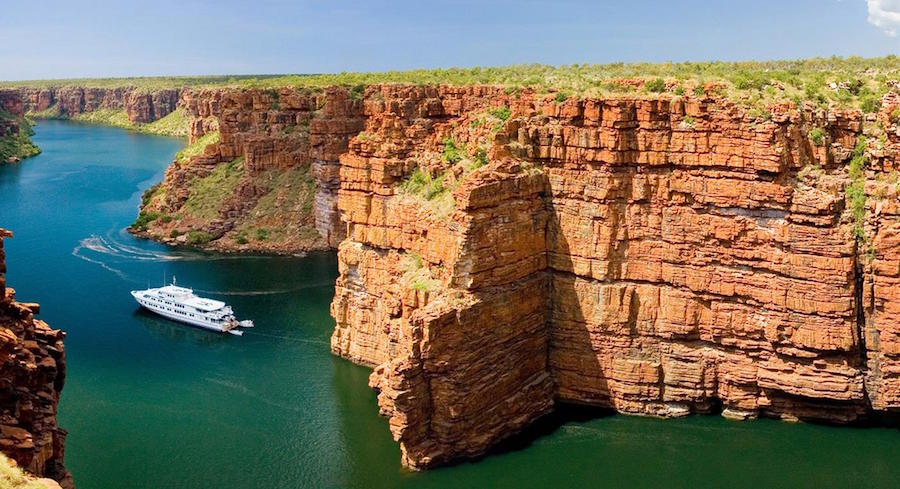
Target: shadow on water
(163, 329)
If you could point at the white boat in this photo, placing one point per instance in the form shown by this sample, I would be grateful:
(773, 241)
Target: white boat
(180, 304)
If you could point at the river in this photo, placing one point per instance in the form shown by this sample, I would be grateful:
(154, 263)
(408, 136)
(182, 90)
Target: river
(150, 403)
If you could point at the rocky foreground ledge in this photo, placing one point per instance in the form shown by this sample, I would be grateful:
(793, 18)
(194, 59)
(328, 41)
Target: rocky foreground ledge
(32, 373)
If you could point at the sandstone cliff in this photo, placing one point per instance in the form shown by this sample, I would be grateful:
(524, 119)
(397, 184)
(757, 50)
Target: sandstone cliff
(15, 132)
(502, 251)
(32, 373)
(261, 173)
(659, 256)
(140, 105)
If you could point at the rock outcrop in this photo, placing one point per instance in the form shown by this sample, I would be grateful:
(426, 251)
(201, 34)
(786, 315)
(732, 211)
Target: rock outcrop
(32, 373)
(659, 256)
(273, 168)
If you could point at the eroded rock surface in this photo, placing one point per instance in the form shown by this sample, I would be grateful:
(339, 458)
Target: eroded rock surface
(141, 106)
(32, 373)
(656, 256)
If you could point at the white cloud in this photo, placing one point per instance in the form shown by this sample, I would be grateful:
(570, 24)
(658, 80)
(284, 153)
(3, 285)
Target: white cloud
(885, 14)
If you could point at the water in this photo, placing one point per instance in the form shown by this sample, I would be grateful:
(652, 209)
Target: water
(153, 404)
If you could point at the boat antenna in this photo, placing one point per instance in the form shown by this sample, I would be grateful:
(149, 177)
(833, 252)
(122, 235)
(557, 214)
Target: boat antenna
(174, 280)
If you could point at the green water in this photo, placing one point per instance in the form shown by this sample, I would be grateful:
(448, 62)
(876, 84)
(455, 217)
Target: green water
(149, 403)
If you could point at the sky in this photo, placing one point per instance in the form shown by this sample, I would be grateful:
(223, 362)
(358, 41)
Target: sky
(71, 39)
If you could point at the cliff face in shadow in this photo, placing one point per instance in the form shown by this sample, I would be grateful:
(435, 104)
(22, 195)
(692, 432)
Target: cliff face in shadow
(32, 374)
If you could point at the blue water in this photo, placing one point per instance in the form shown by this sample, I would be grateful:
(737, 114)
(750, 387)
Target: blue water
(153, 404)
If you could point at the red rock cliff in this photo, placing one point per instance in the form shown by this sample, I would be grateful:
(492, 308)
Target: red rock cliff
(274, 165)
(32, 373)
(500, 252)
(142, 106)
(656, 256)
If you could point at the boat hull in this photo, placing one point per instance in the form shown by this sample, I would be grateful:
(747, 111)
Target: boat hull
(146, 304)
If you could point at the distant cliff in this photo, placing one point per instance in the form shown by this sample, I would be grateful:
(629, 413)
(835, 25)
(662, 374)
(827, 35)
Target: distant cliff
(261, 173)
(32, 374)
(15, 132)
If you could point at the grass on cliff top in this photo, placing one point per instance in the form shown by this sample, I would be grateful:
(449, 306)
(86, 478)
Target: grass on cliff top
(850, 82)
(207, 194)
(197, 147)
(15, 478)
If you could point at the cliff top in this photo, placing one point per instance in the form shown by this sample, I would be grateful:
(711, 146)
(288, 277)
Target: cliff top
(852, 82)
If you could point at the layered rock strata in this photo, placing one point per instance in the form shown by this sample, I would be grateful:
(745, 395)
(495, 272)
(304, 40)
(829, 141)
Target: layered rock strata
(32, 373)
(280, 148)
(656, 256)
(142, 106)
(15, 132)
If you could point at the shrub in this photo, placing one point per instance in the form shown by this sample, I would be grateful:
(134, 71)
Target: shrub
(144, 219)
(657, 85)
(262, 234)
(165, 218)
(480, 159)
(856, 190)
(198, 238)
(679, 90)
(241, 238)
(148, 194)
(358, 92)
(869, 103)
(817, 136)
(501, 113)
(560, 97)
(175, 233)
(451, 154)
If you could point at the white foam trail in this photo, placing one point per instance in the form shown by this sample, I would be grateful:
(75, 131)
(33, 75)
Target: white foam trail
(264, 292)
(116, 271)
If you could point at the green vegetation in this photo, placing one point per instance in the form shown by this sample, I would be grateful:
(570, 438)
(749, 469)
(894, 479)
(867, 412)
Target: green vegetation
(106, 117)
(207, 194)
(657, 85)
(416, 275)
(501, 113)
(421, 183)
(845, 82)
(285, 212)
(198, 238)
(14, 478)
(817, 136)
(16, 144)
(144, 219)
(856, 190)
(175, 123)
(451, 154)
(197, 147)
